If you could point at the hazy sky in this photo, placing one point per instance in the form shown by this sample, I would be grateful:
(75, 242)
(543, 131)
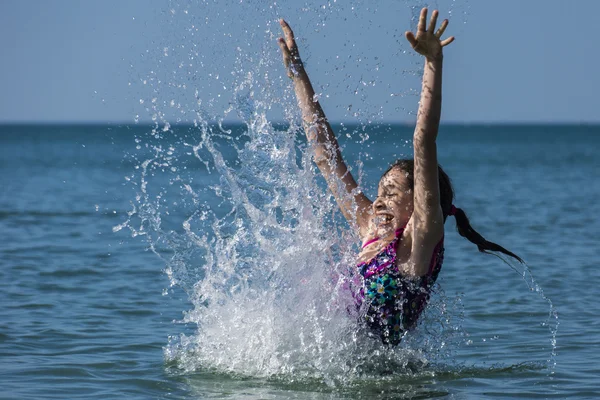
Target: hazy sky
(513, 60)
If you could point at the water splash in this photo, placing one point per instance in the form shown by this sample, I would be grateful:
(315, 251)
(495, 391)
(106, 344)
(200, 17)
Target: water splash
(552, 321)
(243, 221)
(273, 297)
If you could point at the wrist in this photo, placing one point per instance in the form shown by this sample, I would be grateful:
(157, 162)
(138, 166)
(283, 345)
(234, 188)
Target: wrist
(435, 59)
(296, 68)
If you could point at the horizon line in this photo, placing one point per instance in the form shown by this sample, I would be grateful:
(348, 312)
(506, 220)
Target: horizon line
(333, 122)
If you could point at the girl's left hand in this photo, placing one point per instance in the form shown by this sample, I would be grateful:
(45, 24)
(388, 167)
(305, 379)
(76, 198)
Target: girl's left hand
(427, 42)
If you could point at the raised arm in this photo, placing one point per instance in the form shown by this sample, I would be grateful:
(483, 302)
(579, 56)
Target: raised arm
(428, 221)
(353, 203)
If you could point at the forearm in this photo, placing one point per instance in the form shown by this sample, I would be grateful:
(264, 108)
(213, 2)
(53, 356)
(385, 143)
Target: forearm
(317, 128)
(430, 106)
(424, 140)
(328, 156)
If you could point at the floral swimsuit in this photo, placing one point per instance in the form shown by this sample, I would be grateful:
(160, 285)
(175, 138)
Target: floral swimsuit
(390, 302)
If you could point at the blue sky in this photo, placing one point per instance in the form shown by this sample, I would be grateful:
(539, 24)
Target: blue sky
(512, 61)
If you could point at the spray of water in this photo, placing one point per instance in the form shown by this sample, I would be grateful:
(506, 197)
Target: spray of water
(552, 322)
(265, 260)
(246, 228)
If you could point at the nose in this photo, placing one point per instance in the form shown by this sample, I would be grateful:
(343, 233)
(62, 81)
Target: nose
(378, 204)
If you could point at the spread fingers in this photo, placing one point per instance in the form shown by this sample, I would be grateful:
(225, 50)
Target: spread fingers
(447, 41)
(433, 21)
(411, 39)
(422, 20)
(440, 31)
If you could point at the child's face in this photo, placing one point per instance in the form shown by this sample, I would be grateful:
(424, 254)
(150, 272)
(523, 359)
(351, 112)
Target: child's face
(394, 204)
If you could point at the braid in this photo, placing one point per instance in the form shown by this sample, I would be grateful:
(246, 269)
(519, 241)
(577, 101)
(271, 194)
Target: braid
(464, 228)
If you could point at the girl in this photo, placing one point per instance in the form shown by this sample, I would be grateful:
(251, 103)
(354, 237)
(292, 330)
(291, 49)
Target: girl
(403, 229)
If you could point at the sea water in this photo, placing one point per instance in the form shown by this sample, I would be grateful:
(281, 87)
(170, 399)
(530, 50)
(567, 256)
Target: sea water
(92, 313)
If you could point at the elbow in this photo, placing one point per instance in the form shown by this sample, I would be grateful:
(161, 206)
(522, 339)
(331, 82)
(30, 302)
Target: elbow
(423, 136)
(322, 162)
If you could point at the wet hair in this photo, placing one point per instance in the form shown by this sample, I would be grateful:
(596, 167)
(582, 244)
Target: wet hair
(463, 226)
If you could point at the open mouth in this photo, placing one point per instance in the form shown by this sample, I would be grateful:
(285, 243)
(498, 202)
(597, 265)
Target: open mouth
(383, 219)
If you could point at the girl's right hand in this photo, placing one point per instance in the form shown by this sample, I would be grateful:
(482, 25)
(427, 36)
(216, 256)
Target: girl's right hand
(289, 51)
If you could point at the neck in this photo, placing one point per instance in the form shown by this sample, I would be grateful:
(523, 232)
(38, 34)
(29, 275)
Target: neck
(397, 232)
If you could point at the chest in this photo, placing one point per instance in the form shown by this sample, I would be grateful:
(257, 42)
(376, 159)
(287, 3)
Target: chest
(381, 255)
(383, 281)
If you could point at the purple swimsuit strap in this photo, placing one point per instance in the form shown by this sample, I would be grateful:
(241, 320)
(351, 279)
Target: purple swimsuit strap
(370, 241)
(398, 233)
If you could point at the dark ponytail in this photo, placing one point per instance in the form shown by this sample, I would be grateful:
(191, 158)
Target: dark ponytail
(446, 199)
(465, 230)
